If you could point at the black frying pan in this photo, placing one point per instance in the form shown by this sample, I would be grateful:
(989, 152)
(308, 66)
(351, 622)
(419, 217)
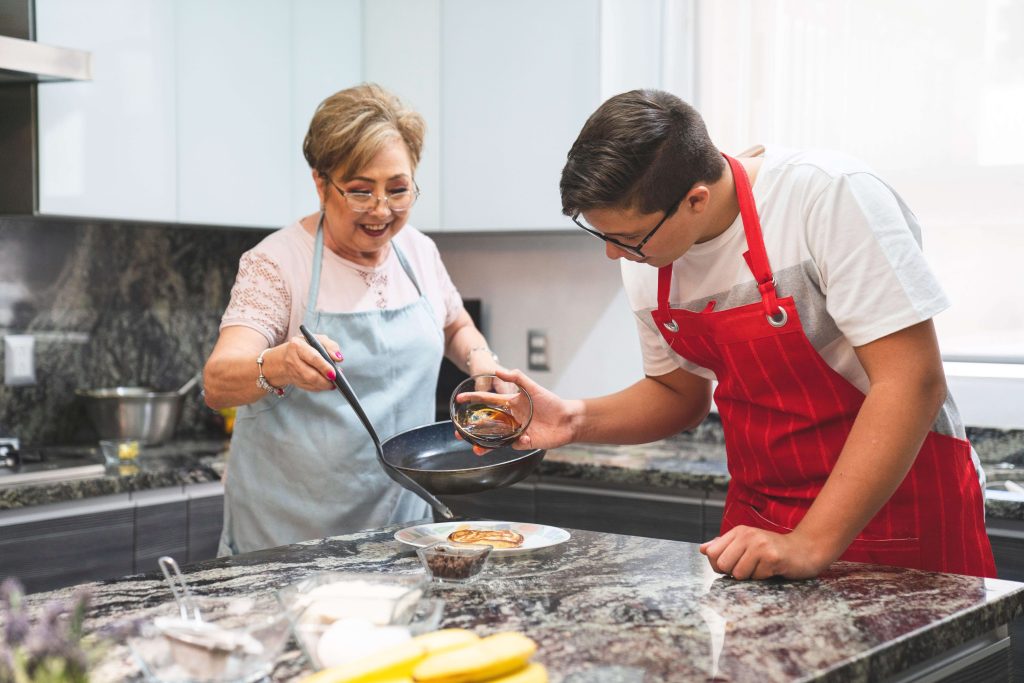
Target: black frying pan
(429, 460)
(444, 465)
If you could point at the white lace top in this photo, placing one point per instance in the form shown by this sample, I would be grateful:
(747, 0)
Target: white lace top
(272, 285)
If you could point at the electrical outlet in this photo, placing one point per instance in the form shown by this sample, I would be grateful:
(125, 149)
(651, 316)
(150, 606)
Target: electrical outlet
(19, 360)
(537, 350)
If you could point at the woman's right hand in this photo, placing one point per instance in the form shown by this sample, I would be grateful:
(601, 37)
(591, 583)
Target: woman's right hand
(300, 365)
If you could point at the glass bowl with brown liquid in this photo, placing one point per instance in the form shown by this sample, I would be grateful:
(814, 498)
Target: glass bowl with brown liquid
(490, 412)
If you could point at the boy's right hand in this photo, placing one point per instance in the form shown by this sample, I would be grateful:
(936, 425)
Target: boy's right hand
(553, 420)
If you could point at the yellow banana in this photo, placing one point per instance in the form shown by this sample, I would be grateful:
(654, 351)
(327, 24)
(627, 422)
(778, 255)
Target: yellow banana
(531, 673)
(446, 639)
(493, 656)
(387, 666)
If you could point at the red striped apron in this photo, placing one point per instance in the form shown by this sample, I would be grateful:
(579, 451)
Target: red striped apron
(786, 415)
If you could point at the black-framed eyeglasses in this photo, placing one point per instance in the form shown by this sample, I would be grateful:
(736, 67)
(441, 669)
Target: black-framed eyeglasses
(636, 249)
(397, 202)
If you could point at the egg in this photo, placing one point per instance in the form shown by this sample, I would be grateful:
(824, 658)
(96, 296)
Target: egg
(349, 639)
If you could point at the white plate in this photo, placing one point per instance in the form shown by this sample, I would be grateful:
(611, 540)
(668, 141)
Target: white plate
(535, 536)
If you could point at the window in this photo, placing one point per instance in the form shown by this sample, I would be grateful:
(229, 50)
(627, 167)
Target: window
(929, 94)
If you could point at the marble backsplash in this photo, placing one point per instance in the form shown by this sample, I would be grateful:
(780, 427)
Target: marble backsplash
(108, 304)
(115, 303)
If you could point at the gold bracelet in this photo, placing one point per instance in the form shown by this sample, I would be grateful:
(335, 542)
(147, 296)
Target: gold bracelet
(480, 348)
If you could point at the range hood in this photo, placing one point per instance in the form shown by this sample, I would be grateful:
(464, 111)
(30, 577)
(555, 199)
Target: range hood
(26, 61)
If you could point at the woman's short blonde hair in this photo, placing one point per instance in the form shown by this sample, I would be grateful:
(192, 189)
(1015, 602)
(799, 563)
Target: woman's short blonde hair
(351, 126)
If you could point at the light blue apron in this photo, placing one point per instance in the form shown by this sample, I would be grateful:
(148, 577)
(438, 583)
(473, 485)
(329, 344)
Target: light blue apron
(302, 466)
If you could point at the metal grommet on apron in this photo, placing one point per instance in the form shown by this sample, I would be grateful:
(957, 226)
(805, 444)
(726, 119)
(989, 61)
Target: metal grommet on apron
(779, 319)
(303, 467)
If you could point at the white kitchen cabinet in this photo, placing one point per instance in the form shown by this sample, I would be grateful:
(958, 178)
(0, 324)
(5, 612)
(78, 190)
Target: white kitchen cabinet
(233, 112)
(518, 81)
(107, 146)
(250, 75)
(197, 110)
(402, 52)
(326, 56)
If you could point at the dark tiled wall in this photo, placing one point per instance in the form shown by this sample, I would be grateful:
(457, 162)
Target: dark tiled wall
(110, 303)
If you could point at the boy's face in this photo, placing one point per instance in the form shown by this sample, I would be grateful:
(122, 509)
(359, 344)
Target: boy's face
(664, 238)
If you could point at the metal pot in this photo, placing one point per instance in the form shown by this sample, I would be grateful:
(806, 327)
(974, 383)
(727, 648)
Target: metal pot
(133, 412)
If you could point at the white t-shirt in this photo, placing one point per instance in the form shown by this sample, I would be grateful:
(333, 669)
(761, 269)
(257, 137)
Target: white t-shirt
(272, 286)
(839, 240)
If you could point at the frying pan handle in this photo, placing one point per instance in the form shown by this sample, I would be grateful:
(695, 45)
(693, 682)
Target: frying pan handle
(350, 395)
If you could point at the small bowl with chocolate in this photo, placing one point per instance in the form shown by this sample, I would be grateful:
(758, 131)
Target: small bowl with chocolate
(450, 562)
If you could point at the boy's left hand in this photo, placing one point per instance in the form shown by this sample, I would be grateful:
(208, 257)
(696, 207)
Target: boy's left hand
(745, 552)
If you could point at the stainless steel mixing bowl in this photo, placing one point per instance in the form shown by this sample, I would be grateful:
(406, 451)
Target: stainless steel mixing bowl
(133, 413)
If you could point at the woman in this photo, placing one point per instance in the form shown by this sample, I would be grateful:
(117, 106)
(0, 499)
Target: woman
(375, 292)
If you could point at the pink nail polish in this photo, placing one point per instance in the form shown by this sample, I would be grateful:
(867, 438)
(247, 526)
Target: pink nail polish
(331, 375)
(337, 354)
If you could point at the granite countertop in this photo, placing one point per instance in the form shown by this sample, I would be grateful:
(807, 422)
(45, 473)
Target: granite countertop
(697, 461)
(176, 463)
(608, 608)
(693, 460)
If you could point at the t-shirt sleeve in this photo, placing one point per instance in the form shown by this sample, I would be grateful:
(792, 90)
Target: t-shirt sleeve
(640, 283)
(866, 245)
(658, 358)
(259, 298)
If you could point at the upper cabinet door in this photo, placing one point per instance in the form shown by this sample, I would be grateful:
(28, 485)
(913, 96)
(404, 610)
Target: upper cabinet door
(107, 146)
(326, 56)
(198, 109)
(519, 79)
(402, 52)
(233, 65)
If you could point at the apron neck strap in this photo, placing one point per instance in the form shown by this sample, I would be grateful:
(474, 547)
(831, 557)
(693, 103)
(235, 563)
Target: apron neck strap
(756, 257)
(318, 257)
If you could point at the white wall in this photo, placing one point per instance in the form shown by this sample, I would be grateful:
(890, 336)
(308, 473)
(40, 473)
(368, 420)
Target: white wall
(562, 284)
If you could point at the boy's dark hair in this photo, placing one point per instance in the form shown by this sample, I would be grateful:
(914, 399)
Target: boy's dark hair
(639, 150)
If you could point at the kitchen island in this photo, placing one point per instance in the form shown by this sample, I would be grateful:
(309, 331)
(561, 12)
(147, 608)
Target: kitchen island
(612, 608)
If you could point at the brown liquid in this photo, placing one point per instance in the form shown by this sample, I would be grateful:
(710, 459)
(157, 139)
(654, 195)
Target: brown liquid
(487, 423)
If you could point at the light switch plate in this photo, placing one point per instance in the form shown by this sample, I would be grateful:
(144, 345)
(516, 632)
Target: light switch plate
(19, 360)
(537, 350)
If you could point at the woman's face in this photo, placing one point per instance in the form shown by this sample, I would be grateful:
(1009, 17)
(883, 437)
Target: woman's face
(363, 236)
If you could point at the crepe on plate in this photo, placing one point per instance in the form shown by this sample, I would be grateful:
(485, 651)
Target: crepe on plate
(499, 538)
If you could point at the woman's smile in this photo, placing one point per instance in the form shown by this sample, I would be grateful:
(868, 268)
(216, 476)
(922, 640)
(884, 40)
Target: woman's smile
(375, 230)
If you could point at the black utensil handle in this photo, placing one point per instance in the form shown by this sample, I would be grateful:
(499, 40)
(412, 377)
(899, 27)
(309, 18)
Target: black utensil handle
(343, 386)
(346, 390)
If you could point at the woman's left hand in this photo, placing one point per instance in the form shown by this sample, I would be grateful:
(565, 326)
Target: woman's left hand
(483, 363)
(746, 552)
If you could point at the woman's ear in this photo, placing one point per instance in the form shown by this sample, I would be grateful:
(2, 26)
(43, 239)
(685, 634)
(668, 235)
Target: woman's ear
(321, 187)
